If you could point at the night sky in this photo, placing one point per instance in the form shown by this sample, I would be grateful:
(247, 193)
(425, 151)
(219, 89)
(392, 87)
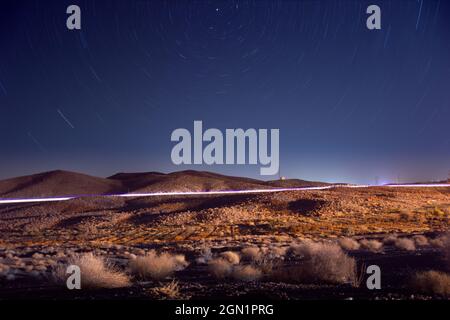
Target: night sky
(351, 104)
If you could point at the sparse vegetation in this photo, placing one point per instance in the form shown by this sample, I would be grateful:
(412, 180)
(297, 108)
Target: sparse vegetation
(446, 248)
(371, 245)
(320, 262)
(440, 242)
(390, 239)
(420, 240)
(246, 273)
(242, 238)
(157, 266)
(170, 290)
(349, 244)
(252, 253)
(405, 244)
(96, 273)
(220, 268)
(432, 282)
(231, 257)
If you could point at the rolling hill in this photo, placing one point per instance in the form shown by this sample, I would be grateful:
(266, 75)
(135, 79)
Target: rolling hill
(67, 183)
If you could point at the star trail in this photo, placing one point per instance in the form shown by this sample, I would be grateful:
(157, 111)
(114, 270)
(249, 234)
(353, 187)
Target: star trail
(351, 104)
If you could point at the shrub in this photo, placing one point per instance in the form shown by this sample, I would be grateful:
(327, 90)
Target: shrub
(420, 240)
(246, 273)
(438, 242)
(157, 266)
(371, 245)
(220, 268)
(205, 256)
(278, 252)
(252, 254)
(304, 248)
(432, 282)
(170, 290)
(349, 244)
(405, 244)
(95, 272)
(320, 263)
(446, 247)
(390, 239)
(231, 257)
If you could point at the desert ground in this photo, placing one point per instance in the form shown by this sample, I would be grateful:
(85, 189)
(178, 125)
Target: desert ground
(311, 244)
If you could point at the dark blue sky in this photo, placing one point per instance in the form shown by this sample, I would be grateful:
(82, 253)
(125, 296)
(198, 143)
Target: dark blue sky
(351, 104)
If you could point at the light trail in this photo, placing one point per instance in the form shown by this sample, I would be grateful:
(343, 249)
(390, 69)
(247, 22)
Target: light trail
(223, 192)
(6, 201)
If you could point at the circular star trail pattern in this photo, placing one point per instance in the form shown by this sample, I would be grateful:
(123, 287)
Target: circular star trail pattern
(351, 104)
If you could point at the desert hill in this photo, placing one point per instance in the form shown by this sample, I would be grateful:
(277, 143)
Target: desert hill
(188, 180)
(57, 183)
(67, 183)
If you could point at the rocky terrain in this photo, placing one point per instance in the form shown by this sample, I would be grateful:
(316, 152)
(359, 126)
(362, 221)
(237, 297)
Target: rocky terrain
(308, 244)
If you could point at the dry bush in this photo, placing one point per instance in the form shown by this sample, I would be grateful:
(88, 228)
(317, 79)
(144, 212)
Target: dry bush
(432, 282)
(252, 254)
(405, 244)
(246, 273)
(220, 268)
(170, 290)
(304, 248)
(278, 252)
(420, 240)
(390, 239)
(446, 247)
(95, 272)
(349, 244)
(231, 257)
(205, 255)
(157, 266)
(371, 245)
(438, 242)
(320, 262)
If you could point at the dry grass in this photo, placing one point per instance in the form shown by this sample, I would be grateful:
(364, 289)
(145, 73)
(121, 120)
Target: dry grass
(349, 244)
(278, 252)
(220, 268)
(96, 273)
(421, 240)
(231, 257)
(446, 248)
(320, 262)
(170, 290)
(371, 245)
(439, 242)
(252, 254)
(442, 242)
(390, 239)
(246, 273)
(405, 244)
(157, 266)
(205, 255)
(432, 282)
